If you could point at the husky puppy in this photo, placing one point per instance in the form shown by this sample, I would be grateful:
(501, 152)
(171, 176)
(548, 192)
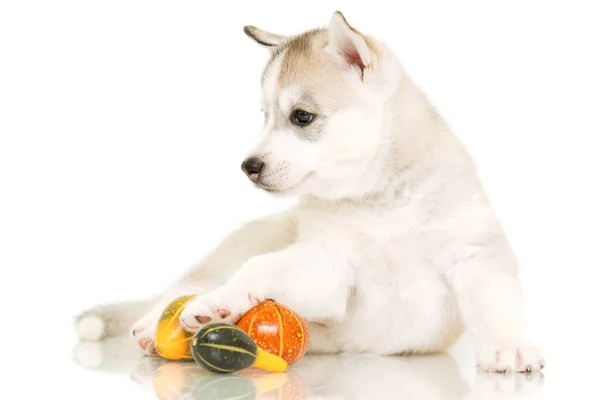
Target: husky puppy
(392, 248)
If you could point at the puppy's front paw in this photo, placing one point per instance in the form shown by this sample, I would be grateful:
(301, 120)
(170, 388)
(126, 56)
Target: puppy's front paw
(510, 357)
(143, 333)
(214, 308)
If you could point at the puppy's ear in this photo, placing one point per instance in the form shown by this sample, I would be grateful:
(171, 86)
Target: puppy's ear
(346, 45)
(264, 38)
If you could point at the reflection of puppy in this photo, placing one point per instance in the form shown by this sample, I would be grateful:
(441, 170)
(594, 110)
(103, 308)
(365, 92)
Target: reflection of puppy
(113, 355)
(393, 245)
(494, 386)
(341, 377)
(316, 377)
(367, 377)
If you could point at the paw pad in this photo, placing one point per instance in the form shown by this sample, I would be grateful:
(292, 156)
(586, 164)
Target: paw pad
(203, 319)
(144, 343)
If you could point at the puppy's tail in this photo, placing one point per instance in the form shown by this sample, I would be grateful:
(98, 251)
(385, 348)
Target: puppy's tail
(109, 320)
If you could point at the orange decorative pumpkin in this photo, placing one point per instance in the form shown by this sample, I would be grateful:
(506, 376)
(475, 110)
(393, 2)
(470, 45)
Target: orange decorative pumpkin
(277, 330)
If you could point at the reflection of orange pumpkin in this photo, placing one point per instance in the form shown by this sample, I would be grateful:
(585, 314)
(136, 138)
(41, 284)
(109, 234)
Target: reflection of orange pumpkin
(277, 329)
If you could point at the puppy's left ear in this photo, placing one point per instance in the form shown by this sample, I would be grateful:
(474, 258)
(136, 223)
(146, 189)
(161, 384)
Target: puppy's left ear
(264, 38)
(346, 45)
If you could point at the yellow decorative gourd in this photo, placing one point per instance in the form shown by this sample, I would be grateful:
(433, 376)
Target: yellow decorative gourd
(171, 341)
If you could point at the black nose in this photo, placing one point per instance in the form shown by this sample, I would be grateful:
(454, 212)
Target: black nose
(252, 168)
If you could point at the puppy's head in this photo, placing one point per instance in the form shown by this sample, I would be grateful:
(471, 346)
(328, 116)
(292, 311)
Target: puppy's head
(322, 112)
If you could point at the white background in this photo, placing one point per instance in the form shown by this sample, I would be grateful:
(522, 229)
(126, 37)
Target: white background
(123, 125)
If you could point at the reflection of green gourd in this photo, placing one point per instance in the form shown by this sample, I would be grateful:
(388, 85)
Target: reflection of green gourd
(224, 387)
(225, 348)
(230, 387)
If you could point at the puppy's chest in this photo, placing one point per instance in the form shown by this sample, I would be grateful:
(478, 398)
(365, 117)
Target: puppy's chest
(386, 238)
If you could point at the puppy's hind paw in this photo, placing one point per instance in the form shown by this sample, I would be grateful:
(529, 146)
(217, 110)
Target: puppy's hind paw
(143, 335)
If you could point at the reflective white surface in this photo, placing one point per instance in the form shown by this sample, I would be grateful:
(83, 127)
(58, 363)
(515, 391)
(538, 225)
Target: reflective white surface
(314, 377)
(119, 167)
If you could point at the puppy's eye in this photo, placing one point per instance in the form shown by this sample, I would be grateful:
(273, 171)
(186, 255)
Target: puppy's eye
(302, 118)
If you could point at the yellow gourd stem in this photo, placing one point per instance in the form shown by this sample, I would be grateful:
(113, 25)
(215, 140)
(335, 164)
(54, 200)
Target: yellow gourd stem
(269, 362)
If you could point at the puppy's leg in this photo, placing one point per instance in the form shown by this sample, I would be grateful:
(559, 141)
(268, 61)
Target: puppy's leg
(304, 277)
(257, 237)
(489, 298)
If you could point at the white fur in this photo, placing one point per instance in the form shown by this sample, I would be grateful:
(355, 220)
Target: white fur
(90, 328)
(393, 246)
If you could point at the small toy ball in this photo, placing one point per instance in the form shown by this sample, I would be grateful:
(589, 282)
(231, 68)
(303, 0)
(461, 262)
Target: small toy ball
(277, 329)
(171, 341)
(225, 348)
